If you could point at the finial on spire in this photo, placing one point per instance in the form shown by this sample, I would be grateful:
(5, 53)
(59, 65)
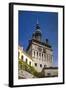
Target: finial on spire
(37, 19)
(37, 25)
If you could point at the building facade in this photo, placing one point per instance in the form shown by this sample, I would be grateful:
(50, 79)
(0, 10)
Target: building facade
(39, 54)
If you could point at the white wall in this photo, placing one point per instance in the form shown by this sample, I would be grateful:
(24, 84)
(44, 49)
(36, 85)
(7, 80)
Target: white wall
(4, 45)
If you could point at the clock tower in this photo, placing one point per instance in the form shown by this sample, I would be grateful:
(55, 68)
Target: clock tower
(41, 52)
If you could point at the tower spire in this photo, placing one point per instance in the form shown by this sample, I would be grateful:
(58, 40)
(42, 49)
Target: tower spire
(37, 25)
(37, 20)
(37, 34)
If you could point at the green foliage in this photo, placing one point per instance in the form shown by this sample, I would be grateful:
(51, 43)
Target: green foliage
(24, 66)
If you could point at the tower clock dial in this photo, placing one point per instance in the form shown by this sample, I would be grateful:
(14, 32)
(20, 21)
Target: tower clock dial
(40, 49)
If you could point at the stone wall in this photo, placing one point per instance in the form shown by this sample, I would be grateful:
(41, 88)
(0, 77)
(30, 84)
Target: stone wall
(51, 71)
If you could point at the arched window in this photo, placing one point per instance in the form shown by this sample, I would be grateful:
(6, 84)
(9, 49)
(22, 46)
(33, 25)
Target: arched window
(45, 66)
(37, 54)
(49, 74)
(40, 65)
(45, 57)
(26, 60)
(36, 64)
(22, 57)
(18, 54)
(34, 53)
(30, 63)
(51, 57)
(40, 54)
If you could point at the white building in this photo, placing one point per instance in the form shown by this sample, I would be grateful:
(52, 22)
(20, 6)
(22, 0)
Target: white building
(22, 55)
(39, 54)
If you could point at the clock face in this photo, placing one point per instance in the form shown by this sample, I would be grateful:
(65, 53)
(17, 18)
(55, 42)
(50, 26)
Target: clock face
(44, 50)
(40, 49)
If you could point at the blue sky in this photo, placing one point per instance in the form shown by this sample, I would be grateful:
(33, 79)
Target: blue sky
(48, 22)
